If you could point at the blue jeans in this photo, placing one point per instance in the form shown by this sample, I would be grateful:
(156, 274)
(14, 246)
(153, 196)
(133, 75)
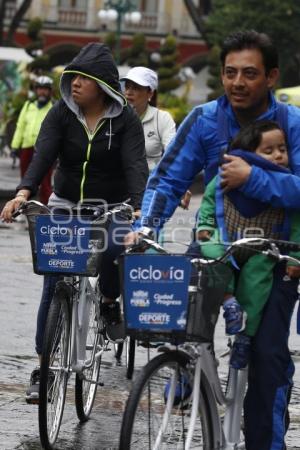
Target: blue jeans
(109, 277)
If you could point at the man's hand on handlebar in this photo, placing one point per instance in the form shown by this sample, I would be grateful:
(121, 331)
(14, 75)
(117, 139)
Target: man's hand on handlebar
(185, 200)
(134, 239)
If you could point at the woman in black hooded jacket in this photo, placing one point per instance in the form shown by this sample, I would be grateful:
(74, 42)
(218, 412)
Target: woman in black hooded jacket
(99, 143)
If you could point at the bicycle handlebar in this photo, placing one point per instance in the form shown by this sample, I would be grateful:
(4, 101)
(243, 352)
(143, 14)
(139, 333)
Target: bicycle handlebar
(35, 207)
(270, 247)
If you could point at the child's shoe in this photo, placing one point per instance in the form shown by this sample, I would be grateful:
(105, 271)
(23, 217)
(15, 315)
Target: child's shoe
(234, 316)
(240, 353)
(183, 391)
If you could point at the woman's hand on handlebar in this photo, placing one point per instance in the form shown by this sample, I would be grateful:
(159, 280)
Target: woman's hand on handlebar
(12, 205)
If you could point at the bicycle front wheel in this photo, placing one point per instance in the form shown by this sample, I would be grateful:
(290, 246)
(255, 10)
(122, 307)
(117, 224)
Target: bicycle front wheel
(54, 370)
(151, 420)
(86, 387)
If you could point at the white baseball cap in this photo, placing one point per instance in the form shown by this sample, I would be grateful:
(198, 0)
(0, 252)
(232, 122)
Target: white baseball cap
(142, 76)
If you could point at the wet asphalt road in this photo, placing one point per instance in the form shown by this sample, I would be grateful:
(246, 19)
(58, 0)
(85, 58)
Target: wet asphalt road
(20, 293)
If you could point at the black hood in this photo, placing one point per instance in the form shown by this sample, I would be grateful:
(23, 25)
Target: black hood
(95, 59)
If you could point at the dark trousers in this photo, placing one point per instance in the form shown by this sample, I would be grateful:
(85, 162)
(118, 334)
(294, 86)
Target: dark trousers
(109, 277)
(271, 370)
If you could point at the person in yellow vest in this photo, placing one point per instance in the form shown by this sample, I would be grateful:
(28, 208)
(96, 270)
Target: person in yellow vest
(28, 127)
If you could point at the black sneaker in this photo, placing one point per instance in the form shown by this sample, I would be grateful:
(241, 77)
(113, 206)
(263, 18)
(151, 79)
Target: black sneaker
(114, 326)
(32, 393)
(111, 313)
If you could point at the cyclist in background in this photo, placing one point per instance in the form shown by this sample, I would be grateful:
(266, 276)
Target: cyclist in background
(249, 73)
(140, 88)
(223, 218)
(28, 127)
(159, 127)
(99, 143)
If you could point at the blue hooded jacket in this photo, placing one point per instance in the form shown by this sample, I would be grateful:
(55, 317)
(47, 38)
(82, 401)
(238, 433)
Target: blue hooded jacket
(197, 146)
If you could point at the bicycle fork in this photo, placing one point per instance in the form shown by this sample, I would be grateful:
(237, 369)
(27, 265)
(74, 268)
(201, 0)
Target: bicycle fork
(234, 405)
(195, 403)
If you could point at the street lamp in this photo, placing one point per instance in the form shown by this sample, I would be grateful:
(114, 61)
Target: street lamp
(114, 12)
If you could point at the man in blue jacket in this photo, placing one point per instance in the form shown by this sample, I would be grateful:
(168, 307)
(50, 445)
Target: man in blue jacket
(249, 73)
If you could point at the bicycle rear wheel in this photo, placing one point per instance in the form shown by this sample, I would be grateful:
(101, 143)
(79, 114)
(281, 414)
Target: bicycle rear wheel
(54, 369)
(85, 389)
(151, 421)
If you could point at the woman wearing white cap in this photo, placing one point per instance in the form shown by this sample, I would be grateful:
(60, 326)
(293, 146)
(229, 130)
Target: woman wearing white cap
(159, 127)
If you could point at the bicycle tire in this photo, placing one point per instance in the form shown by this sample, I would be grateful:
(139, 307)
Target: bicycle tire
(85, 390)
(54, 370)
(142, 415)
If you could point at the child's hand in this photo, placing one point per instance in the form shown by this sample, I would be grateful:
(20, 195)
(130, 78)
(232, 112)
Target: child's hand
(293, 271)
(203, 235)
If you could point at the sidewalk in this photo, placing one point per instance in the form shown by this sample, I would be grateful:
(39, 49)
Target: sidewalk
(9, 179)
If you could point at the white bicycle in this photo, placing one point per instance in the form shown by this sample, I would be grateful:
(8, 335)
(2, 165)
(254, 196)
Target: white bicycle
(75, 334)
(177, 401)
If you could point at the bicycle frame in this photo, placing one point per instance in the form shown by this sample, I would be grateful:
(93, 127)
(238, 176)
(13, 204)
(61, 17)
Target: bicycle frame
(81, 306)
(205, 368)
(200, 367)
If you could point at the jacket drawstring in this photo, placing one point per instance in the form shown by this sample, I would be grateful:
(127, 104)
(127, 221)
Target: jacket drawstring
(110, 134)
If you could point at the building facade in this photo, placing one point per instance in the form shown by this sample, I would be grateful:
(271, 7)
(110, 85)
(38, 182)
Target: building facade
(76, 22)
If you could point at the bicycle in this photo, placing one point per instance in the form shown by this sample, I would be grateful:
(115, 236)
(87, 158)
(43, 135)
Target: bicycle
(75, 336)
(177, 400)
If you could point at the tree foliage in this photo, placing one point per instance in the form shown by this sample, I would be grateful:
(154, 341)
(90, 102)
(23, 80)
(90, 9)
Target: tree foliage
(137, 54)
(278, 18)
(168, 68)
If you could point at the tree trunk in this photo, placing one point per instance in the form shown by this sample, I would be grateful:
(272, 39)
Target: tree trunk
(2, 15)
(195, 16)
(25, 5)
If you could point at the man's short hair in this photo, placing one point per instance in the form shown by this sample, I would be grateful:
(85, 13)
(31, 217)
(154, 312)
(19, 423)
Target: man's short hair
(251, 39)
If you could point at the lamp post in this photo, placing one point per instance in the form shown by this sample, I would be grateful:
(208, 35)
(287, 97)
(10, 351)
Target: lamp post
(114, 11)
